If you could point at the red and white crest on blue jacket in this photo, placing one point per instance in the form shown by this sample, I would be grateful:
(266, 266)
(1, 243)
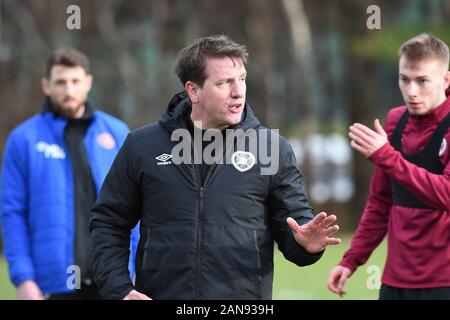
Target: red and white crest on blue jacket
(106, 140)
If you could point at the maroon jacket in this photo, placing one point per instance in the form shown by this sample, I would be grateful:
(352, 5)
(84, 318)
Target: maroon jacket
(418, 239)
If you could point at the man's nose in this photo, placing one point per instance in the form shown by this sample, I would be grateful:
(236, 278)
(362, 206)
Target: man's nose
(70, 89)
(238, 90)
(411, 90)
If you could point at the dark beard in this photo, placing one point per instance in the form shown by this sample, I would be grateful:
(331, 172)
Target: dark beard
(64, 112)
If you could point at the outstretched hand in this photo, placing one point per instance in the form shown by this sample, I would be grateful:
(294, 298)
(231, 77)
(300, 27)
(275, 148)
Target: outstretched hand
(365, 140)
(314, 235)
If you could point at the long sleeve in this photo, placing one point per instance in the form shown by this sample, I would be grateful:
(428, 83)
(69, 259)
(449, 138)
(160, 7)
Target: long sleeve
(288, 199)
(432, 189)
(114, 214)
(373, 224)
(14, 208)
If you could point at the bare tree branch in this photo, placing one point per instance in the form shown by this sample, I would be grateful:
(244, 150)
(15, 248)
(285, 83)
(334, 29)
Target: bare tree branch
(301, 38)
(27, 23)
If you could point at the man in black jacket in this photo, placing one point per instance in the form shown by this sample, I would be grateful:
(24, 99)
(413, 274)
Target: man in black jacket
(207, 227)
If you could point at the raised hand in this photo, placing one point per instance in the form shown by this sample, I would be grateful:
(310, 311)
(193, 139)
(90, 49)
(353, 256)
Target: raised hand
(314, 235)
(365, 140)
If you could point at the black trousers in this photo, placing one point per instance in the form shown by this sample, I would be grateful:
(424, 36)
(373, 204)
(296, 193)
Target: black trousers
(393, 293)
(85, 293)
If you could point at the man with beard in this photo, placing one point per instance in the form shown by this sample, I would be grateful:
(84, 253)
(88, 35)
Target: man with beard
(54, 165)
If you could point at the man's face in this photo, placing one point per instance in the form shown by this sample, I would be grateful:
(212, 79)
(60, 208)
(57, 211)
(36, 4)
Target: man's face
(220, 102)
(67, 88)
(423, 84)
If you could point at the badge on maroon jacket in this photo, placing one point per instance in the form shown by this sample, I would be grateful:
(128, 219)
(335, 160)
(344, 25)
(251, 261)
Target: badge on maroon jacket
(443, 147)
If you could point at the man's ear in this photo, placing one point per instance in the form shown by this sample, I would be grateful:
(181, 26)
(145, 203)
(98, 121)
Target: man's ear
(45, 86)
(447, 79)
(89, 81)
(192, 91)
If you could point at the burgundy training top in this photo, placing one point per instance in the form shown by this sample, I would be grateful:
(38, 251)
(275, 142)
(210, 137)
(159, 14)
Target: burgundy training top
(418, 239)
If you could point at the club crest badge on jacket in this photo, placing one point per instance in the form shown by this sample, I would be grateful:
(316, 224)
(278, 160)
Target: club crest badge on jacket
(106, 141)
(242, 160)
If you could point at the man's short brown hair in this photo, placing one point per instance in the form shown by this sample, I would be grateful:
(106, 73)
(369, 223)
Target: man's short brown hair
(424, 46)
(68, 57)
(192, 59)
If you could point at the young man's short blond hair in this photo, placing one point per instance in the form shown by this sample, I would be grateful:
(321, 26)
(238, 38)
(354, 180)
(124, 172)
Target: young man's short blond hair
(425, 46)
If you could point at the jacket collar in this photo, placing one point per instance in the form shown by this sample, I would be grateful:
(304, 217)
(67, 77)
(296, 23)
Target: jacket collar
(179, 109)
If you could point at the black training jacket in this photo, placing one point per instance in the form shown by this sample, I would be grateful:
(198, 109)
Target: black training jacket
(197, 242)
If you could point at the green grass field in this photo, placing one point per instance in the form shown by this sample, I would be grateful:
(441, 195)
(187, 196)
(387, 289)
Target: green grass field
(310, 283)
(290, 281)
(7, 290)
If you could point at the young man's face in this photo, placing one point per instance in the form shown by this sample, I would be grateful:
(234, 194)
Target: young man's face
(67, 88)
(220, 102)
(423, 84)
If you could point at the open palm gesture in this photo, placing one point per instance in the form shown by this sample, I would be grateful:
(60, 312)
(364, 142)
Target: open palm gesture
(314, 235)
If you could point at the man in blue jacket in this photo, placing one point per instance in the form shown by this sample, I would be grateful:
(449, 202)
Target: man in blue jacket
(54, 165)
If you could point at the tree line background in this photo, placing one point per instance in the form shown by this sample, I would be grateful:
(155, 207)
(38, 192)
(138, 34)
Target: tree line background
(314, 68)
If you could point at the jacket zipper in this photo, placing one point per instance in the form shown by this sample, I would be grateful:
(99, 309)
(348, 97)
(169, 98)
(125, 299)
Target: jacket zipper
(259, 265)
(199, 223)
(212, 167)
(199, 241)
(200, 215)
